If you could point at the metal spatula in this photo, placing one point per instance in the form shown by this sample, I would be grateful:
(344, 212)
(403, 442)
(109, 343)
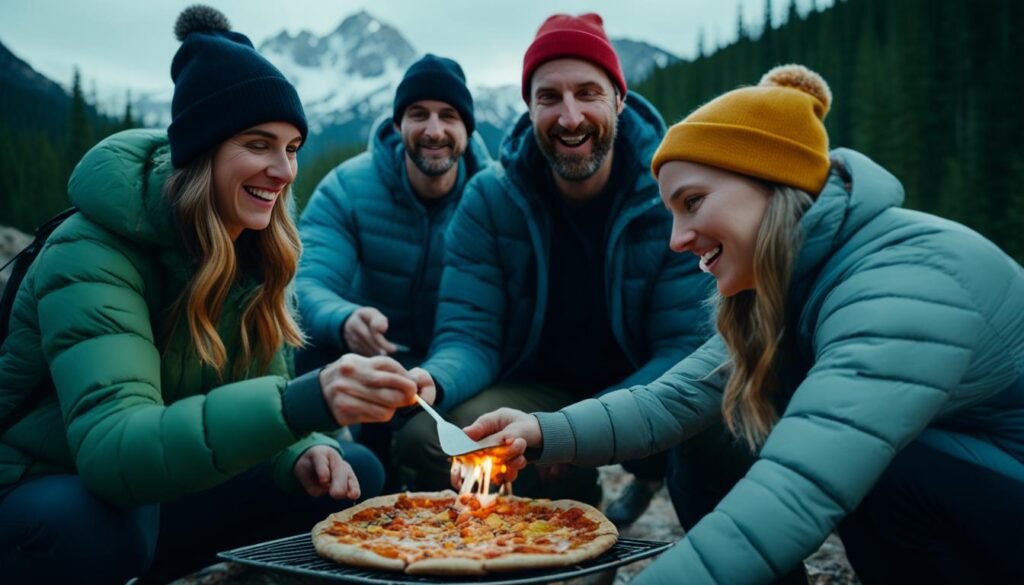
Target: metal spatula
(454, 441)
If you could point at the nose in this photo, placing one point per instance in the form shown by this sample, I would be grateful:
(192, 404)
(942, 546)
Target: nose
(571, 115)
(683, 236)
(434, 130)
(282, 167)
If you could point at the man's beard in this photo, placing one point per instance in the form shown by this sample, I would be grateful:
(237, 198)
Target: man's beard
(433, 166)
(577, 167)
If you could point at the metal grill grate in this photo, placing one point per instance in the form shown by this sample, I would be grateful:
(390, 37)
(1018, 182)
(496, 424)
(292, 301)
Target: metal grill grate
(296, 554)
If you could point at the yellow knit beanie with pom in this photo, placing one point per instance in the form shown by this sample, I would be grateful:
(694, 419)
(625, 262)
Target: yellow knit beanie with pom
(773, 131)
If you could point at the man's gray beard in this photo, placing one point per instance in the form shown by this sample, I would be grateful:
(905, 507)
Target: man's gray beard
(433, 167)
(578, 167)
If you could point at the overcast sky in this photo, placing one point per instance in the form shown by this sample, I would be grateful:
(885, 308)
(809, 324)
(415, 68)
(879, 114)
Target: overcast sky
(121, 44)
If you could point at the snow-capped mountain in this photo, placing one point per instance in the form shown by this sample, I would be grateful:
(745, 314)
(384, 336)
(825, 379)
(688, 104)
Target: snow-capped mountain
(347, 80)
(350, 73)
(639, 59)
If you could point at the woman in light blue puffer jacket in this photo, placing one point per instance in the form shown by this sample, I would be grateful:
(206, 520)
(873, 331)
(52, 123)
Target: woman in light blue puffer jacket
(867, 368)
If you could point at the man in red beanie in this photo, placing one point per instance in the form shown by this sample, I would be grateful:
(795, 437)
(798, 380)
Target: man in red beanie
(558, 281)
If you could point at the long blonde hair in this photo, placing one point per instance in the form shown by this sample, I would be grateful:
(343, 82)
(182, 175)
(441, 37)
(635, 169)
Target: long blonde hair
(752, 321)
(270, 255)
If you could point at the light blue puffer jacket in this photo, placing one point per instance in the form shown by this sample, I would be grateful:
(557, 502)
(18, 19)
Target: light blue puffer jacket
(368, 241)
(908, 327)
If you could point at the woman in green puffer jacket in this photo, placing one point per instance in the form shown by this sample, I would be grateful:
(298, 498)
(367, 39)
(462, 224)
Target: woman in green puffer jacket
(147, 417)
(866, 374)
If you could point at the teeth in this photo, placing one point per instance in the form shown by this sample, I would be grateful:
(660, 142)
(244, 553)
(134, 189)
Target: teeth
(261, 193)
(573, 140)
(708, 257)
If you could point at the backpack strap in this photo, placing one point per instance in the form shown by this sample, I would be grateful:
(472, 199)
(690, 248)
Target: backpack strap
(22, 260)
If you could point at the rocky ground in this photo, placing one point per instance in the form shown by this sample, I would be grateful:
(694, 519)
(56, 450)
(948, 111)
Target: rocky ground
(828, 566)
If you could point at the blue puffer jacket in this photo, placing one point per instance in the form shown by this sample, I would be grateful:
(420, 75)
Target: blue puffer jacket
(906, 327)
(494, 287)
(367, 240)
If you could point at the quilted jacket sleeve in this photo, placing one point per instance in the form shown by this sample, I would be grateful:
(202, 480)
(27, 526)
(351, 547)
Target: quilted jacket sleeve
(465, 353)
(633, 423)
(891, 342)
(329, 260)
(128, 446)
(284, 462)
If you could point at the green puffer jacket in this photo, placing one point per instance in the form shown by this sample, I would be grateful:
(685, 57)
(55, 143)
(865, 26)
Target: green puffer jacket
(906, 327)
(138, 424)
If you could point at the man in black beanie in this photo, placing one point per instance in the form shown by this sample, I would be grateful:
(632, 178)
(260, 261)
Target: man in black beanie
(373, 231)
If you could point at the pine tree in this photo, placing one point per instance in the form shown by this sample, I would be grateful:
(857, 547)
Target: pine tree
(741, 27)
(79, 130)
(128, 121)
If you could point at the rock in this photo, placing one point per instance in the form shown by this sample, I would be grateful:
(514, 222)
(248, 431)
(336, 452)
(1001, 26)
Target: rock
(11, 242)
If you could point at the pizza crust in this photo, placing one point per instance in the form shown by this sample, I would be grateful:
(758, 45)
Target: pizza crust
(451, 566)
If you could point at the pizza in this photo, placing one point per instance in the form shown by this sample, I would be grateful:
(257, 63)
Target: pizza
(443, 533)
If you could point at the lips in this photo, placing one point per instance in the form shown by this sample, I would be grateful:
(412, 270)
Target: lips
(434, 147)
(261, 194)
(708, 258)
(572, 139)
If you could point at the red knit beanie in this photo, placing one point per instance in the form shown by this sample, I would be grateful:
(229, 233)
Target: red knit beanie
(565, 36)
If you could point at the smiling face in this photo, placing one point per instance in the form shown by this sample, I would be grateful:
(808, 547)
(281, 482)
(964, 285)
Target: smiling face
(716, 215)
(251, 171)
(575, 111)
(434, 136)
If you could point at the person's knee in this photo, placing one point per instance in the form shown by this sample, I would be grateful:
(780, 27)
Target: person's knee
(367, 467)
(72, 532)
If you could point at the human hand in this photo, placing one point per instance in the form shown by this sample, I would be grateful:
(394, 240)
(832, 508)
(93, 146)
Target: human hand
(517, 431)
(425, 386)
(361, 389)
(364, 332)
(321, 470)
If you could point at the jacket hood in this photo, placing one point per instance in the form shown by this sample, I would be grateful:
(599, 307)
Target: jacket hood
(640, 130)
(857, 191)
(119, 184)
(388, 153)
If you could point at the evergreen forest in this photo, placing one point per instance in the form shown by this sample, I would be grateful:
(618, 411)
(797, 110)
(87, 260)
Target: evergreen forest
(930, 89)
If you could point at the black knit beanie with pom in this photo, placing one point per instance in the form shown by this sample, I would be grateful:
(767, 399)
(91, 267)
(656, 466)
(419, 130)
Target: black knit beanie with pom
(222, 86)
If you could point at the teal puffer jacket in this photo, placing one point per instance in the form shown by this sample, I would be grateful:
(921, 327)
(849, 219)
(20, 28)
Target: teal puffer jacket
(906, 326)
(368, 241)
(494, 286)
(138, 423)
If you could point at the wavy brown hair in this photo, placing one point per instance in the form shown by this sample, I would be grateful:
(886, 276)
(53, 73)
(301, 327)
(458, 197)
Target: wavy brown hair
(752, 321)
(270, 256)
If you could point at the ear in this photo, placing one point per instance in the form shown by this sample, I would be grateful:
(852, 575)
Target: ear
(620, 102)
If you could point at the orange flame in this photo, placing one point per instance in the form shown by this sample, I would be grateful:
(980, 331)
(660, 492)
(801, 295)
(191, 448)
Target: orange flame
(479, 471)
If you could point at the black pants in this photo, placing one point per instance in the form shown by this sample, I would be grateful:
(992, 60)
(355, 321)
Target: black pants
(931, 518)
(935, 518)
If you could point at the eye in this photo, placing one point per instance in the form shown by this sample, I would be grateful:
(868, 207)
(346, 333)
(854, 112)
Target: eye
(546, 97)
(257, 145)
(293, 148)
(692, 202)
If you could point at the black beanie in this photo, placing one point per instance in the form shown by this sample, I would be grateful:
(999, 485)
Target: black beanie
(222, 86)
(435, 78)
